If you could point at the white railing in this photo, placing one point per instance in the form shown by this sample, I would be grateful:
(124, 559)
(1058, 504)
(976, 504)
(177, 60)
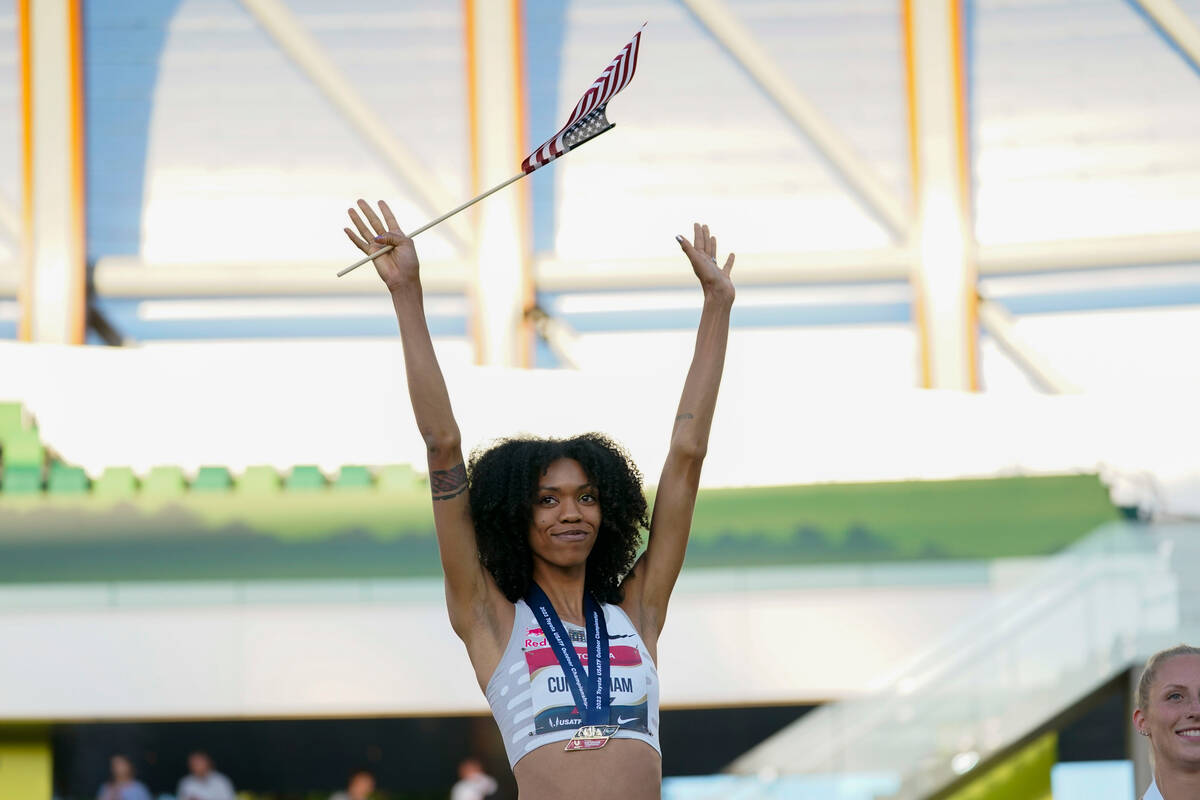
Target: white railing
(1032, 654)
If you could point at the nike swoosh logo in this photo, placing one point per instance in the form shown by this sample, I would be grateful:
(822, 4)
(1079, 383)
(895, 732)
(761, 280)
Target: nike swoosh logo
(622, 720)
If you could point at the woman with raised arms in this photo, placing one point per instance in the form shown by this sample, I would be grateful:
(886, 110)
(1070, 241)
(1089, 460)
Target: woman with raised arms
(538, 541)
(1168, 712)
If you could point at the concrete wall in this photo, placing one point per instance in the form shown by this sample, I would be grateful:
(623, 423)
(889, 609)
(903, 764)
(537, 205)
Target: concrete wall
(279, 649)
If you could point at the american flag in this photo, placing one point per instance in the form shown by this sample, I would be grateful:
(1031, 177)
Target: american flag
(588, 120)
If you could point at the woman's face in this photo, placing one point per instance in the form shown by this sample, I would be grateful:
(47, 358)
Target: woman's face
(566, 515)
(1172, 718)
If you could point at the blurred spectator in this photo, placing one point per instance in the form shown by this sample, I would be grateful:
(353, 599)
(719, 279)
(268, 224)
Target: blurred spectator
(360, 787)
(473, 782)
(202, 781)
(123, 785)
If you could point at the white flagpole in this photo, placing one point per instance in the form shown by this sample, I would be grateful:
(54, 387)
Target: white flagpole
(468, 204)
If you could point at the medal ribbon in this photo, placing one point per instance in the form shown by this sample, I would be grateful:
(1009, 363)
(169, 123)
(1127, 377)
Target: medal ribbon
(589, 688)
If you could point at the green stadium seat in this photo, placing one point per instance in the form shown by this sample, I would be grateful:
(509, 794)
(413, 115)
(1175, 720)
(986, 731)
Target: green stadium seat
(21, 479)
(23, 449)
(11, 419)
(353, 478)
(259, 480)
(65, 479)
(212, 479)
(115, 483)
(397, 478)
(164, 482)
(305, 478)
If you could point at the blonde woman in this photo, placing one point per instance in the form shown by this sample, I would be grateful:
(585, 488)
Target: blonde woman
(1168, 712)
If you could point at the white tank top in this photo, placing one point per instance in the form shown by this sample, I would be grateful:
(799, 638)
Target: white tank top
(532, 702)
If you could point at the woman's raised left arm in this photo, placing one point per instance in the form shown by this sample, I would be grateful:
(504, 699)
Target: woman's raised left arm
(648, 586)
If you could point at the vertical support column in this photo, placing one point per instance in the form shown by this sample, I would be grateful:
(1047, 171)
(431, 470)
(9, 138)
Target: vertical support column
(503, 286)
(944, 275)
(54, 281)
(25, 763)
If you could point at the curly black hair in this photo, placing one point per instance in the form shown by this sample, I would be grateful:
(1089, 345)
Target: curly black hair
(503, 482)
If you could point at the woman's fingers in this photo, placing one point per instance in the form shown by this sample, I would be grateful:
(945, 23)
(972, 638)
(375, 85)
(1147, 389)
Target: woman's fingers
(388, 217)
(392, 238)
(359, 243)
(376, 223)
(363, 230)
(687, 249)
(704, 251)
(367, 233)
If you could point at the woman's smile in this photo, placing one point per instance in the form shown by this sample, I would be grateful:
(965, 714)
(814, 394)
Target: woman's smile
(574, 535)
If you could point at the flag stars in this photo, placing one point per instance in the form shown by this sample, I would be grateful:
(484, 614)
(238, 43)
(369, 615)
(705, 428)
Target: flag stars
(593, 124)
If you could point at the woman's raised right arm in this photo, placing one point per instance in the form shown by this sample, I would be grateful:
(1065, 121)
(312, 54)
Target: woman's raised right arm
(474, 601)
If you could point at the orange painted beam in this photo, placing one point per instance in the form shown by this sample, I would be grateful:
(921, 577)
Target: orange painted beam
(25, 292)
(935, 90)
(53, 292)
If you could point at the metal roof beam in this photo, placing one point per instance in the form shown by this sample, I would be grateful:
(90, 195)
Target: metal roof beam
(1178, 28)
(861, 178)
(1099, 252)
(283, 27)
(1001, 324)
(124, 276)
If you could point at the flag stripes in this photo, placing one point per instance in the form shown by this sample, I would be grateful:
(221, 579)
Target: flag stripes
(616, 76)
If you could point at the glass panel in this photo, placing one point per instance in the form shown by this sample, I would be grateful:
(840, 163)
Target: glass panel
(1036, 651)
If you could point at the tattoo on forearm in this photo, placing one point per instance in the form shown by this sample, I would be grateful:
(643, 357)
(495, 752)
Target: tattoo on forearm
(684, 416)
(448, 483)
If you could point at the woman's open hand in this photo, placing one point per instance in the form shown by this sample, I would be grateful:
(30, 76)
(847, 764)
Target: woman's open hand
(396, 268)
(702, 252)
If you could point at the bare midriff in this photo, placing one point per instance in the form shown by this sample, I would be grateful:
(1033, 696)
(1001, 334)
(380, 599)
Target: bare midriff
(628, 769)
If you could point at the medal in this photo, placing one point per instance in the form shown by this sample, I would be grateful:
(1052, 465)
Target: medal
(591, 737)
(589, 689)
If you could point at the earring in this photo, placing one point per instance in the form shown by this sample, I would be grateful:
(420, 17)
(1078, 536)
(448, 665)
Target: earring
(1143, 733)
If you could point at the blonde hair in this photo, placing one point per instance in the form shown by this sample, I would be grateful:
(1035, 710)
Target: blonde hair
(1154, 664)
